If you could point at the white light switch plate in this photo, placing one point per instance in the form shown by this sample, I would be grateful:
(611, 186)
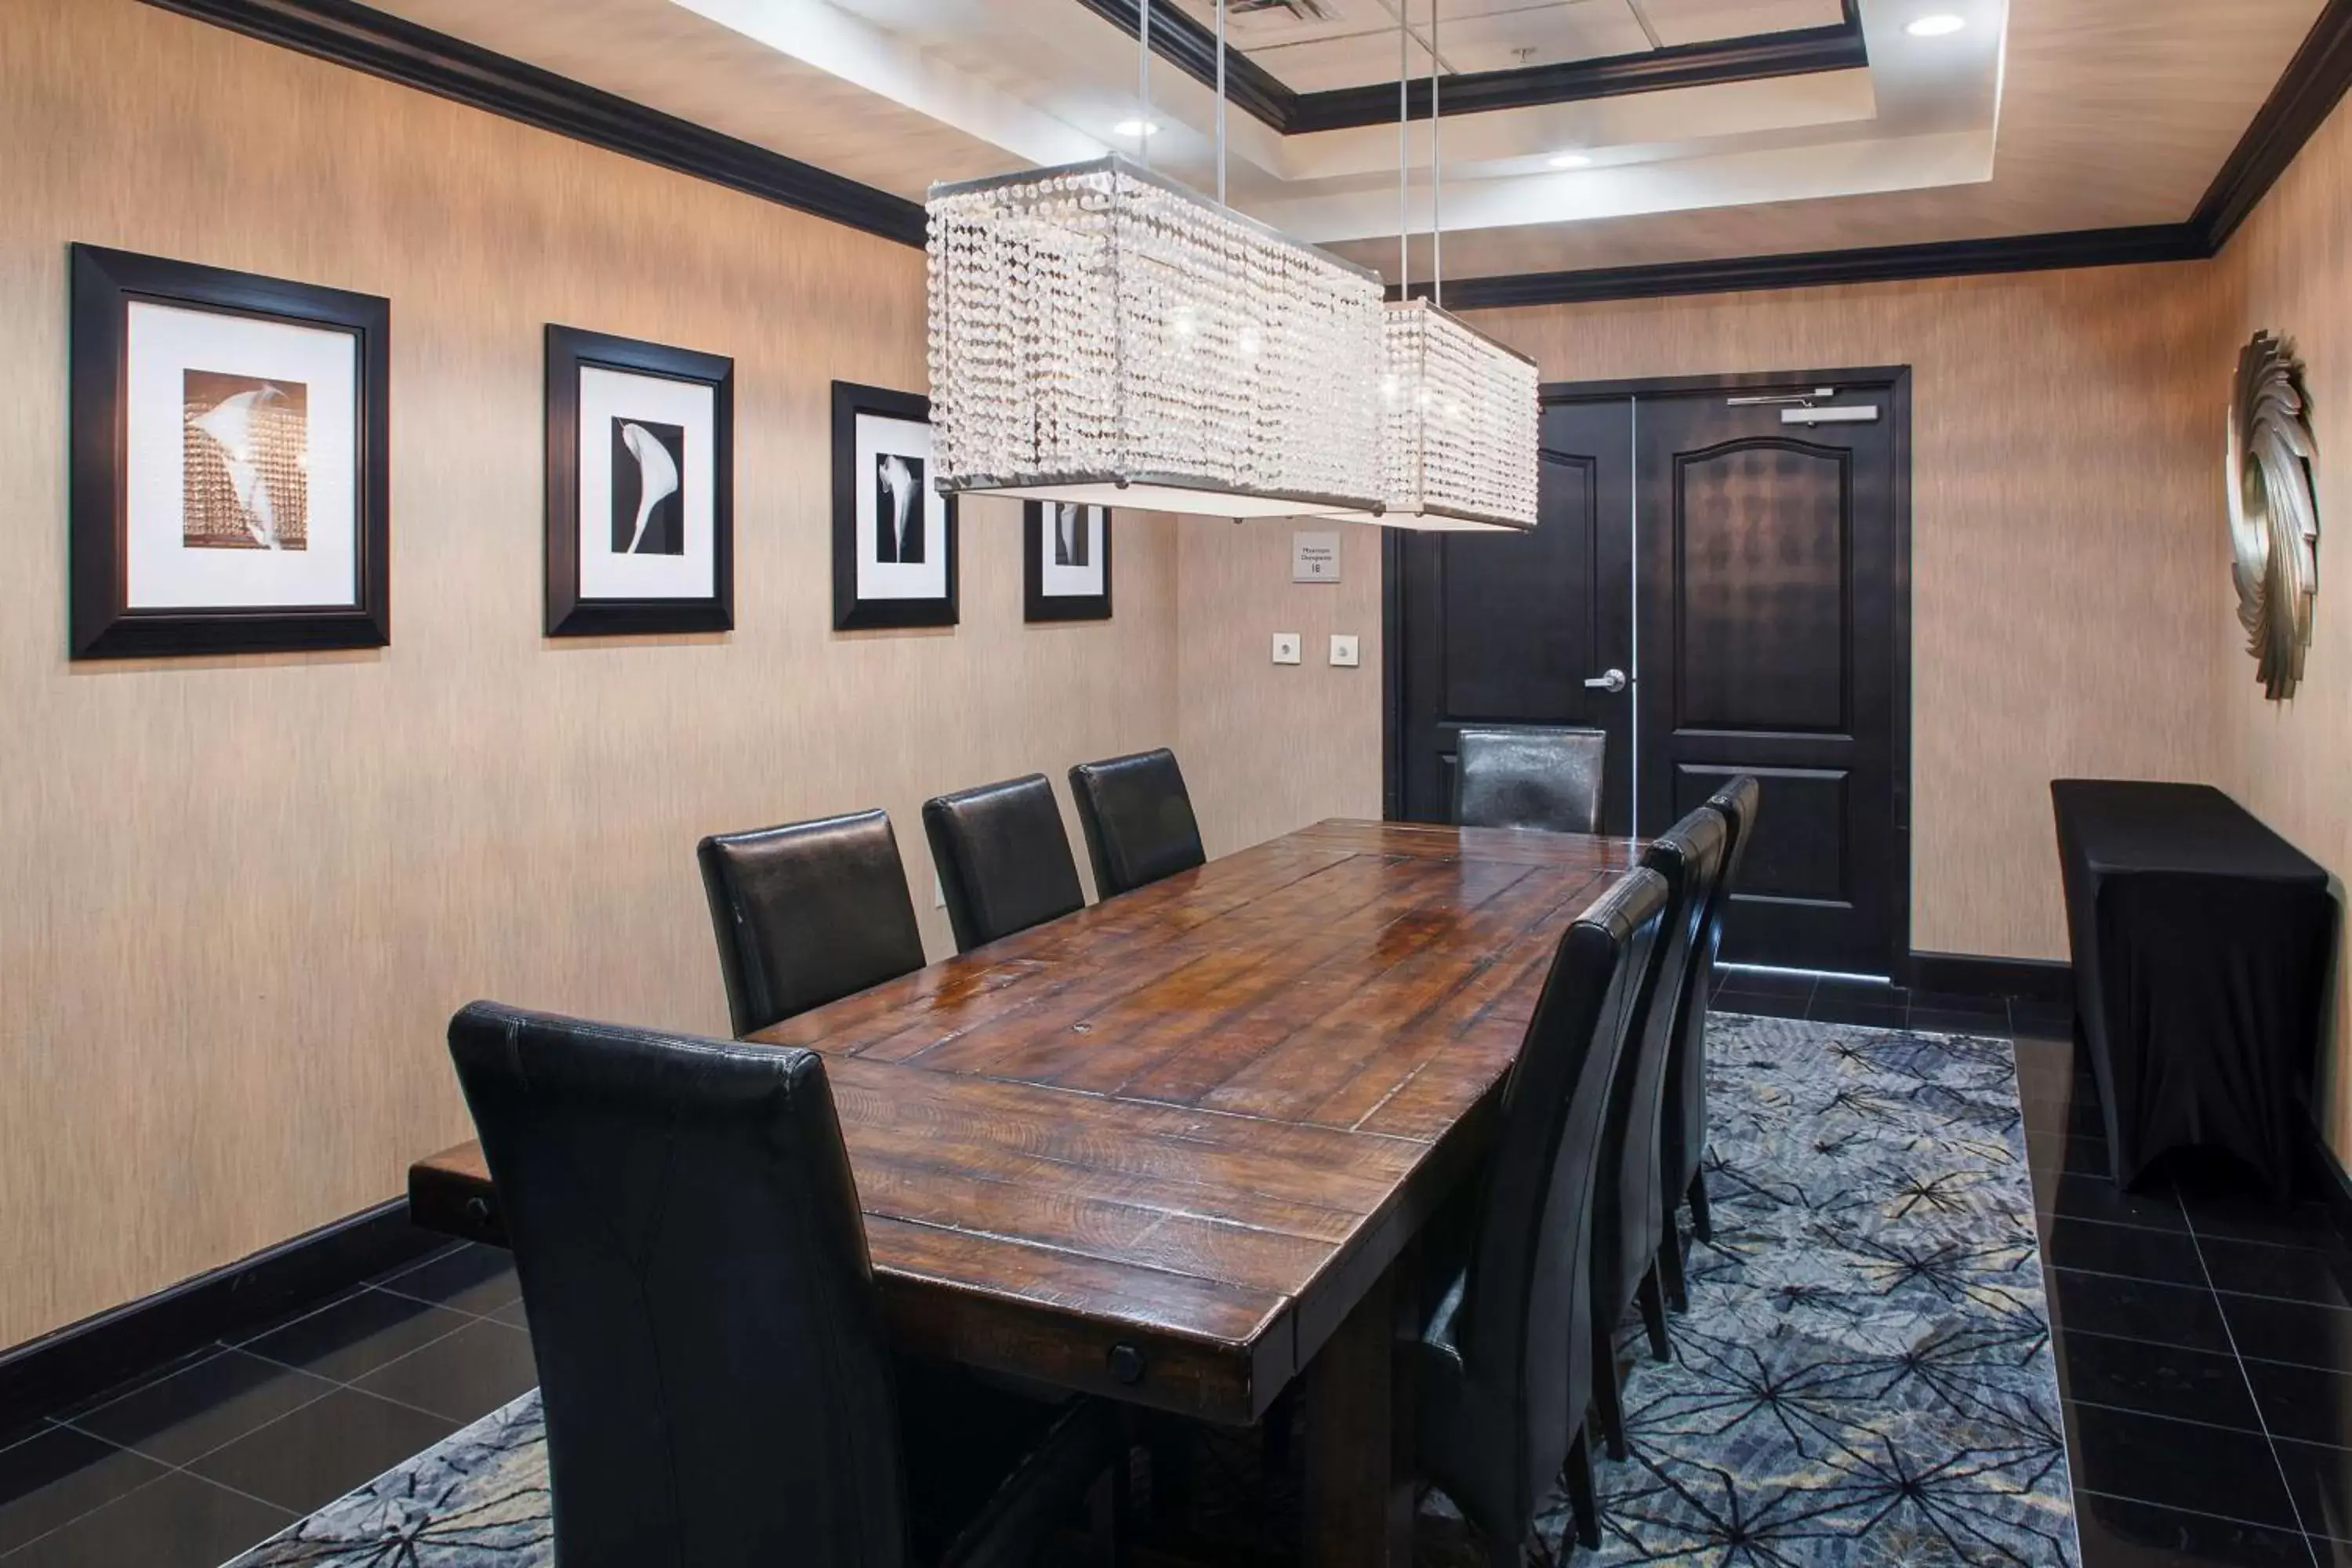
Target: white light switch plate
(1285, 647)
(1343, 651)
(938, 892)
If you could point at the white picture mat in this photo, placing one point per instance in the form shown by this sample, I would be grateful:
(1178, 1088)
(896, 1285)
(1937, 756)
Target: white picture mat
(928, 579)
(162, 343)
(1072, 581)
(605, 574)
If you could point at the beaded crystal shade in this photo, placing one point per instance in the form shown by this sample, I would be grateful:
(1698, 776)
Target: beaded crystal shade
(1101, 335)
(1458, 417)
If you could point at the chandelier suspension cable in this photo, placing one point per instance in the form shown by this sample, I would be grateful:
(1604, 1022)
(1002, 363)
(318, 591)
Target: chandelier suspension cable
(1436, 176)
(1404, 151)
(1143, 79)
(1221, 102)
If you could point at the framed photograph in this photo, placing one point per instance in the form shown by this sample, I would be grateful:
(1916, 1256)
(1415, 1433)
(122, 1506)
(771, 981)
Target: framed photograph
(1066, 555)
(640, 487)
(231, 480)
(894, 537)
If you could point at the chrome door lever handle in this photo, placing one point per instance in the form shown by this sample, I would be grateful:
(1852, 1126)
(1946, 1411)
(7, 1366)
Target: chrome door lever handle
(1613, 681)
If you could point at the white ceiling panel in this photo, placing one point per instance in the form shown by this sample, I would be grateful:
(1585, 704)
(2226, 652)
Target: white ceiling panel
(1703, 21)
(1340, 62)
(1541, 36)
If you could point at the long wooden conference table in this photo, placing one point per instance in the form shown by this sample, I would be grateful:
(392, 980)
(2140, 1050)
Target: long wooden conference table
(1171, 1148)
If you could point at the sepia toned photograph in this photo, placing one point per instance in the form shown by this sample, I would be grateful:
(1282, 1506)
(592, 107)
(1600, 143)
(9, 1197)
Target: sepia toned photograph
(231, 488)
(245, 486)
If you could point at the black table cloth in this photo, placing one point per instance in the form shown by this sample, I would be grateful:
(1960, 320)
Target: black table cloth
(2201, 942)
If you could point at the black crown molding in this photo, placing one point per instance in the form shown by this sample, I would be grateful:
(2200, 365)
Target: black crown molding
(2307, 93)
(1184, 42)
(1810, 269)
(400, 50)
(1682, 65)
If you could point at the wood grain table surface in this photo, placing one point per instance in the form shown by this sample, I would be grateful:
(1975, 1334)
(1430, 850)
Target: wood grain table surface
(1164, 1148)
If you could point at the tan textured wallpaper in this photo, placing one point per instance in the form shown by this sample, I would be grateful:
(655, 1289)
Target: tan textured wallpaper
(243, 896)
(2063, 553)
(2290, 762)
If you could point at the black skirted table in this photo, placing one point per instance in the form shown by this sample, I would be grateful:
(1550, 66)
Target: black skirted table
(2201, 942)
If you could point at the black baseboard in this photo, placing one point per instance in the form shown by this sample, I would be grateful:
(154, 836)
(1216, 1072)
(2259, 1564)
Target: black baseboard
(1966, 974)
(85, 1357)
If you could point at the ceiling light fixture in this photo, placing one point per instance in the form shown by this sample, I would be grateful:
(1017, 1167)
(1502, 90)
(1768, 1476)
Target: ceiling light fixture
(1458, 410)
(1135, 130)
(1101, 335)
(1939, 26)
(1570, 160)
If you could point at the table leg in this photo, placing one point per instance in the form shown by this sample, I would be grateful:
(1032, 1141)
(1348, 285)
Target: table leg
(1359, 1501)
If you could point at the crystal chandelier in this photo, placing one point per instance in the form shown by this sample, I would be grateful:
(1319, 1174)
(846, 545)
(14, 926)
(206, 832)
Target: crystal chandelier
(1458, 410)
(1099, 334)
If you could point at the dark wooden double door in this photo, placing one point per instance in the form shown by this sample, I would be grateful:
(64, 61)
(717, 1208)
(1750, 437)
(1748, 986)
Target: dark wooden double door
(1719, 581)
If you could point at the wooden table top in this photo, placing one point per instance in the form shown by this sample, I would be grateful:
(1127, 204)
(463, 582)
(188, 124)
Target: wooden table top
(1158, 1149)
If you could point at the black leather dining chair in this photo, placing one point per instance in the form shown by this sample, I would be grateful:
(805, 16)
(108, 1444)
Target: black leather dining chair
(1632, 1213)
(1528, 776)
(1501, 1392)
(1003, 859)
(1685, 1128)
(717, 1386)
(1137, 820)
(808, 913)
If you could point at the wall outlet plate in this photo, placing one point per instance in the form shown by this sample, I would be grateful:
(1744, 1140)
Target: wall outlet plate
(1285, 647)
(1343, 651)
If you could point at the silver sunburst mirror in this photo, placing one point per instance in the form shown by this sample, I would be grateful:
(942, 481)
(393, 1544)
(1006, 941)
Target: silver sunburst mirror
(2274, 514)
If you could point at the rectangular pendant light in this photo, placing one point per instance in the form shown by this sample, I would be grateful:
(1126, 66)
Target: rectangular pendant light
(1100, 334)
(1459, 417)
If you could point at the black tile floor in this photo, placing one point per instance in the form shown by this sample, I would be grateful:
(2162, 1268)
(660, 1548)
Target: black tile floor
(200, 1460)
(2204, 1346)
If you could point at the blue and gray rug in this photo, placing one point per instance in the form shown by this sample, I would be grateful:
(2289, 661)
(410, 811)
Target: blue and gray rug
(1864, 1378)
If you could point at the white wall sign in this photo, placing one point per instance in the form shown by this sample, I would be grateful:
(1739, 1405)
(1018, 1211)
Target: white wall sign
(1315, 558)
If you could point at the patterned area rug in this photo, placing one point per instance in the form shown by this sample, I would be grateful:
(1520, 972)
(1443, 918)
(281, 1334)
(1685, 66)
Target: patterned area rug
(1864, 1378)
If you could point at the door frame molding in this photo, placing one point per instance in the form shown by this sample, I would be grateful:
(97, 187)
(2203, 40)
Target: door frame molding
(1895, 381)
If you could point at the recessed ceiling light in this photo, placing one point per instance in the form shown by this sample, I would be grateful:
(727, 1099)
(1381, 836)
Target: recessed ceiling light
(1570, 160)
(1134, 129)
(1941, 25)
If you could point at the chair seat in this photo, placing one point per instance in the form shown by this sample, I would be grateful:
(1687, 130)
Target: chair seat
(989, 1474)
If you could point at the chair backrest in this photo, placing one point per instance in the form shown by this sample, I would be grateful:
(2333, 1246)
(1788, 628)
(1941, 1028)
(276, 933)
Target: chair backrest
(1684, 1137)
(808, 913)
(1003, 859)
(1526, 776)
(1524, 1330)
(1633, 1207)
(1137, 820)
(711, 1358)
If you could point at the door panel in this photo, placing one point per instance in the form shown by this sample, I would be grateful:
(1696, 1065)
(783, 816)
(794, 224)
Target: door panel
(1760, 604)
(1506, 628)
(1769, 582)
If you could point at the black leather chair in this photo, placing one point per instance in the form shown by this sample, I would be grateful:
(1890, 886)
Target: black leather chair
(1502, 1391)
(1525, 775)
(808, 913)
(719, 1390)
(1003, 859)
(1632, 1213)
(1137, 820)
(1685, 1128)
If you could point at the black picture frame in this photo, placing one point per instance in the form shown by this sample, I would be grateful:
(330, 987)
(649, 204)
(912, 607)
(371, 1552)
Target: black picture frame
(851, 612)
(104, 284)
(1036, 605)
(569, 613)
